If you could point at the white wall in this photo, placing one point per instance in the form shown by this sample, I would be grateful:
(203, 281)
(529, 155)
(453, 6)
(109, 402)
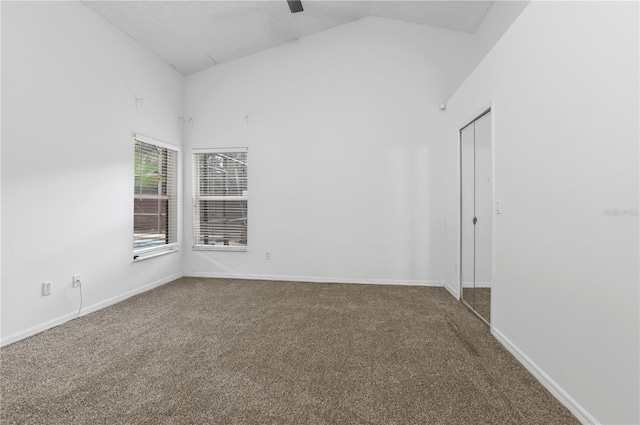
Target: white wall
(564, 81)
(344, 178)
(69, 83)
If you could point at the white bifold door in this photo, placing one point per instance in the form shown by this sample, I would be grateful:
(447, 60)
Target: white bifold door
(476, 215)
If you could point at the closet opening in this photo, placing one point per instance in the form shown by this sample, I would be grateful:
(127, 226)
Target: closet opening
(476, 215)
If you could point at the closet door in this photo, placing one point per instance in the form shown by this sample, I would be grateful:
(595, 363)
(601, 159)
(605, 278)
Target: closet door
(467, 239)
(483, 231)
(476, 215)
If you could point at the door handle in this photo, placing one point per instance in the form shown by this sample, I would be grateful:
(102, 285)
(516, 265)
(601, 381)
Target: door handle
(475, 220)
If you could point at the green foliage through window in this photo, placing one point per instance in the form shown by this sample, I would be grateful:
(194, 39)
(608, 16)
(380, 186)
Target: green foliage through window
(155, 196)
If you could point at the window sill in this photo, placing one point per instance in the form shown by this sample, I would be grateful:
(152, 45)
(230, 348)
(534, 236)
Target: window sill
(220, 248)
(151, 254)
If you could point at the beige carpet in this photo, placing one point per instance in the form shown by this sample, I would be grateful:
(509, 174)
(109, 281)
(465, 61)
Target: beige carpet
(204, 351)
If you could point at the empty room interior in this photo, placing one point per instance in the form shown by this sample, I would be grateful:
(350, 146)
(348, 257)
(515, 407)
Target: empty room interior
(323, 212)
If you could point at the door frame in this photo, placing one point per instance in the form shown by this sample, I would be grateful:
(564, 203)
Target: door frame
(488, 108)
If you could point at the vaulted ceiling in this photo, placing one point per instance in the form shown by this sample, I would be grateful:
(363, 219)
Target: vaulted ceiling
(196, 35)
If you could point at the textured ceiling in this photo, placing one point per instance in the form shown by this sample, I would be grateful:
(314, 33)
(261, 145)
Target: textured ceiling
(195, 35)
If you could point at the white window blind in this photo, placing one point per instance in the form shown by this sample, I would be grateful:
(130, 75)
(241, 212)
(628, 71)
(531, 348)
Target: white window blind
(220, 197)
(155, 203)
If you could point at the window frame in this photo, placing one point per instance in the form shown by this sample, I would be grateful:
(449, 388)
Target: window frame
(195, 180)
(167, 248)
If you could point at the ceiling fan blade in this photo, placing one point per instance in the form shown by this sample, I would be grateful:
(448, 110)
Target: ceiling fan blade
(295, 6)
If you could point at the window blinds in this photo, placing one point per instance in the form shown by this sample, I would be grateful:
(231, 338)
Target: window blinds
(220, 199)
(155, 218)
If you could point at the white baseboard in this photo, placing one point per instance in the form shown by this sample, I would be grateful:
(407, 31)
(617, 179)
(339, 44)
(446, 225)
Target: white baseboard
(316, 279)
(85, 310)
(36, 329)
(118, 298)
(569, 402)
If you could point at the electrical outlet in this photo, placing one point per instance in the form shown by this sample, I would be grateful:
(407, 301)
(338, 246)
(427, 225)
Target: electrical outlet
(46, 288)
(75, 280)
(267, 255)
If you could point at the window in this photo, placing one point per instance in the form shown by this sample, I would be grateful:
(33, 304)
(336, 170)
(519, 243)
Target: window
(220, 199)
(155, 203)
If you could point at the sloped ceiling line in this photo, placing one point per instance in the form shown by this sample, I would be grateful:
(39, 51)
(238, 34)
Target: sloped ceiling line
(195, 35)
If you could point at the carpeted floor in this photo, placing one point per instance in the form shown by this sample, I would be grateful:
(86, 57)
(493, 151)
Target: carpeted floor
(205, 351)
